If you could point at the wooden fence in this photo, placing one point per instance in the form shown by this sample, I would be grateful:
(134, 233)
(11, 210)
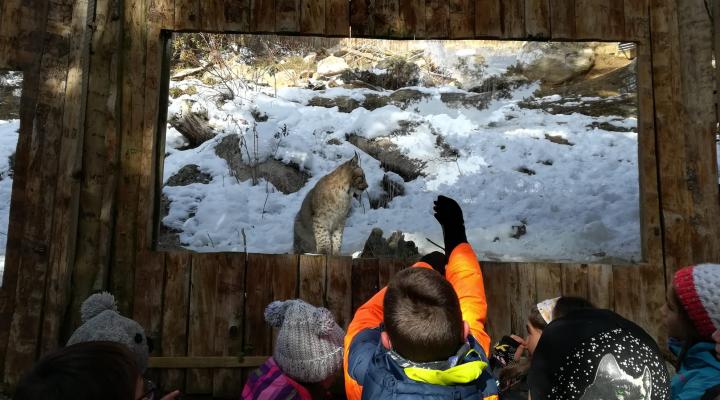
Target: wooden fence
(205, 311)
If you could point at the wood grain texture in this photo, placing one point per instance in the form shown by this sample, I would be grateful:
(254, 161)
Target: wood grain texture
(365, 273)
(176, 307)
(187, 15)
(312, 280)
(67, 191)
(548, 281)
(562, 19)
(575, 280)
(258, 275)
(262, 15)
(462, 19)
(524, 297)
(147, 306)
(385, 18)
(312, 16)
(496, 277)
(337, 18)
(202, 318)
(512, 13)
(600, 19)
(237, 15)
(287, 15)
(229, 307)
(339, 293)
(637, 20)
(488, 20)
(285, 281)
(600, 285)
(437, 19)
(212, 15)
(537, 18)
(360, 18)
(388, 268)
(411, 19)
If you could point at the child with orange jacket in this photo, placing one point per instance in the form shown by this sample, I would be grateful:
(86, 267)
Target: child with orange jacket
(424, 334)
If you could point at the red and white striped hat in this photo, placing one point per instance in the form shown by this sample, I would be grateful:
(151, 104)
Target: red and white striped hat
(698, 288)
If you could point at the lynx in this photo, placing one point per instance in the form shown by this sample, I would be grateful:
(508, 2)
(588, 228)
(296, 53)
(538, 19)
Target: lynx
(612, 383)
(320, 222)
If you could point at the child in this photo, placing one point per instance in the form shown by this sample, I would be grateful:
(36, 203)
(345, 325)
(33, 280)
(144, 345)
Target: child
(507, 361)
(593, 354)
(86, 371)
(308, 354)
(424, 335)
(693, 314)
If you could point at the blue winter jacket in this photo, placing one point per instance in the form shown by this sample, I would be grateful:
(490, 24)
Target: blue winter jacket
(381, 377)
(699, 371)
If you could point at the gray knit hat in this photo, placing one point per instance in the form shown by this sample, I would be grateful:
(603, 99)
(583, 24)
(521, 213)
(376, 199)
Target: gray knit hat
(309, 346)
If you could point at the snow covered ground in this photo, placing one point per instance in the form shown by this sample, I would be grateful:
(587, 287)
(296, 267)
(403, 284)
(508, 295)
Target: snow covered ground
(576, 202)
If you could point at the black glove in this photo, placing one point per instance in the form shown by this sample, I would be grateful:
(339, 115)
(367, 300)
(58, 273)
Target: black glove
(450, 217)
(503, 354)
(437, 260)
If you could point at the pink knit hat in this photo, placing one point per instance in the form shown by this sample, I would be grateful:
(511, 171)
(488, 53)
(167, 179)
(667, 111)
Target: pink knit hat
(698, 289)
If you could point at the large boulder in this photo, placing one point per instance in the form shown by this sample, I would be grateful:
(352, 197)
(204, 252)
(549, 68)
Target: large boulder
(395, 247)
(286, 178)
(332, 66)
(556, 63)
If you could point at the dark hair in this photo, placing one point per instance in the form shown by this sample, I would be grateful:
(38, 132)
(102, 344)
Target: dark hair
(422, 315)
(513, 374)
(692, 336)
(84, 371)
(567, 304)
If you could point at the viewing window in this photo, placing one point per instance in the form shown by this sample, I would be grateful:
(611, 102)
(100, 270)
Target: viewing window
(536, 140)
(10, 93)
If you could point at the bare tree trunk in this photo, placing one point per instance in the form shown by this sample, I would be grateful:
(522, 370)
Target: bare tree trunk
(195, 129)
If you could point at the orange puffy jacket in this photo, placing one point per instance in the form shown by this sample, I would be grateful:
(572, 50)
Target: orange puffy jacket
(464, 274)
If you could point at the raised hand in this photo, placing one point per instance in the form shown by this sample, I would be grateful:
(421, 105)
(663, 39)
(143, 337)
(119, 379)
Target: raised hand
(450, 216)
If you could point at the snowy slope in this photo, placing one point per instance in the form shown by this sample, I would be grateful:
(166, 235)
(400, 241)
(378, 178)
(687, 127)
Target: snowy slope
(8, 143)
(581, 204)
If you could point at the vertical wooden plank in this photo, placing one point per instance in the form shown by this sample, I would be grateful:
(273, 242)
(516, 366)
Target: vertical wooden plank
(512, 13)
(699, 123)
(99, 158)
(339, 291)
(212, 15)
(360, 18)
(389, 267)
(67, 191)
(147, 306)
(201, 331)
(337, 18)
(131, 151)
(365, 272)
(600, 19)
(626, 291)
(600, 285)
(562, 19)
(42, 166)
(462, 19)
(187, 14)
(312, 280)
(237, 15)
(437, 19)
(229, 310)
(258, 335)
(287, 15)
(575, 280)
(488, 19)
(176, 305)
(548, 281)
(285, 280)
(262, 15)
(497, 279)
(385, 18)
(537, 18)
(524, 297)
(312, 16)
(637, 20)
(652, 299)
(411, 19)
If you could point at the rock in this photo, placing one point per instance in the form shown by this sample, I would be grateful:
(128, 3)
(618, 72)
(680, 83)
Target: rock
(310, 58)
(519, 231)
(374, 101)
(390, 157)
(558, 140)
(394, 247)
(332, 66)
(285, 177)
(525, 170)
(168, 239)
(399, 73)
(192, 123)
(404, 97)
(343, 103)
(558, 62)
(459, 99)
(187, 175)
(334, 142)
(258, 116)
(393, 186)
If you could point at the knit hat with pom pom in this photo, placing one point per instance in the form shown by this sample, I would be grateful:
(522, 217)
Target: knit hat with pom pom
(698, 289)
(309, 344)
